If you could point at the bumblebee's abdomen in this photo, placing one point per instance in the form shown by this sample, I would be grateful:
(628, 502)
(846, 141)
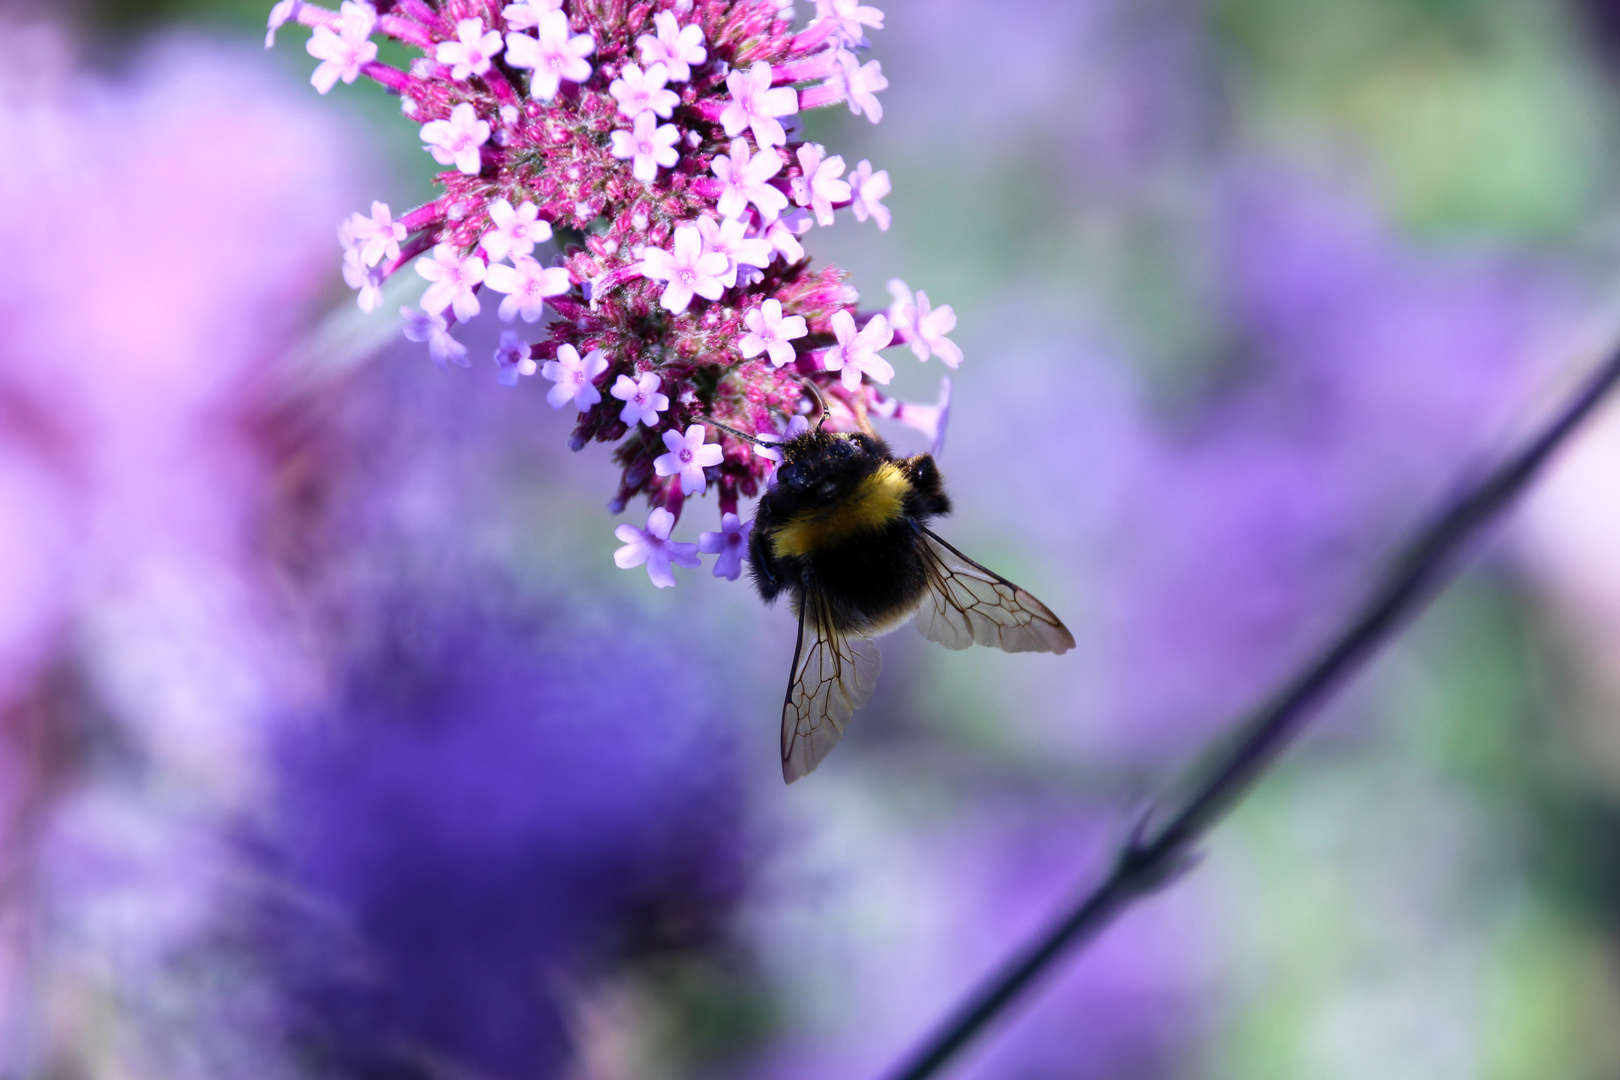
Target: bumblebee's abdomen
(873, 580)
(875, 504)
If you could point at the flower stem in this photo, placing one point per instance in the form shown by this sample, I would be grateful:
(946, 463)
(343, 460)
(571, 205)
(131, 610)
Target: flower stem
(1157, 853)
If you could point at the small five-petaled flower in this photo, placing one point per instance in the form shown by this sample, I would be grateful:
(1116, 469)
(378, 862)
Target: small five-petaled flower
(653, 546)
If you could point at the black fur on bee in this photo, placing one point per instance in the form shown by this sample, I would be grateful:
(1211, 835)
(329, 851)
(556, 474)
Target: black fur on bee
(845, 520)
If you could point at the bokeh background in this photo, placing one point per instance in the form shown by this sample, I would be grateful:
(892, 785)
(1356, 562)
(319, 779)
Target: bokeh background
(332, 744)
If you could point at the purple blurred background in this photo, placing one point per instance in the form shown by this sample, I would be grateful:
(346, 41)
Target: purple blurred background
(335, 745)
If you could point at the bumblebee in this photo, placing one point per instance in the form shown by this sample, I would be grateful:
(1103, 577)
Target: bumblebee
(844, 532)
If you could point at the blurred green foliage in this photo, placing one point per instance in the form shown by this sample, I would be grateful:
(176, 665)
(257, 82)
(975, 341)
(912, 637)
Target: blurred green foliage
(1474, 112)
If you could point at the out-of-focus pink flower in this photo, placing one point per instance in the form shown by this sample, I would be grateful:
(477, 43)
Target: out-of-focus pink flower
(679, 48)
(134, 482)
(344, 52)
(376, 237)
(860, 84)
(856, 353)
(454, 279)
(367, 280)
(923, 327)
(433, 328)
(526, 284)
(846, 17)
(136, 439)
(512, 359)
(867, 191)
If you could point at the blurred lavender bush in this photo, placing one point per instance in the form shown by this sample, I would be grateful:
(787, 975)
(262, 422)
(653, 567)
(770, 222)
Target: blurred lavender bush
(519, 795)
(491, 819)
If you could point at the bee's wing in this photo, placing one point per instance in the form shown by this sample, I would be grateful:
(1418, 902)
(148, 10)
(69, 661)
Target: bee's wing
(833, 675)
(967, 604)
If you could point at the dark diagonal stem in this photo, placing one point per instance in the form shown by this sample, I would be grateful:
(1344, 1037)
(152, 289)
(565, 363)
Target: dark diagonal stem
(1158, 852)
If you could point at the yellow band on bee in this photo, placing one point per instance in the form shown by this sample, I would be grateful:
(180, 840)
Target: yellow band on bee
(876, 501)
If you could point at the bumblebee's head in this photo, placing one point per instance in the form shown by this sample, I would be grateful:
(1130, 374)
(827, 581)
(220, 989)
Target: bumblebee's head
(820, 466)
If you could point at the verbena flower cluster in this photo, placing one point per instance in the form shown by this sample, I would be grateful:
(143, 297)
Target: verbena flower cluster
(655, 143)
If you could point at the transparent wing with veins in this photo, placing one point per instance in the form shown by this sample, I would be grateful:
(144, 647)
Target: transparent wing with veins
(833, 675)
(967, 604)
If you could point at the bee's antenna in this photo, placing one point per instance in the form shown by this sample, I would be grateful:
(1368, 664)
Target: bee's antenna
(821, 402)
(739, 434)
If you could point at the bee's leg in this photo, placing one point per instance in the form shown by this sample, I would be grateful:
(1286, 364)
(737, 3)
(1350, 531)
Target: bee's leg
(927, 496)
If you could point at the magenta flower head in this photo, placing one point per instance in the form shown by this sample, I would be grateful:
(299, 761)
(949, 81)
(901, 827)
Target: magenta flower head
(656, 145)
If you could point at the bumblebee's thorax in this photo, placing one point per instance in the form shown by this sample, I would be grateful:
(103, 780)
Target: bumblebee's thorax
(868, 505)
